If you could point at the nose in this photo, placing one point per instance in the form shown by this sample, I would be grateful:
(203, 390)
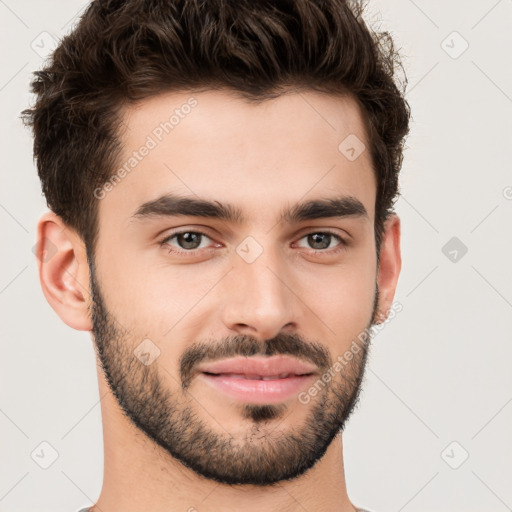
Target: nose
(258, 300)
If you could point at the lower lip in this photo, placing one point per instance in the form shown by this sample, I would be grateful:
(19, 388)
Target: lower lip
(258, 391)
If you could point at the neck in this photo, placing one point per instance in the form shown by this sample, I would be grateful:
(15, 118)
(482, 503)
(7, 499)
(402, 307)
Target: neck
(140, 475)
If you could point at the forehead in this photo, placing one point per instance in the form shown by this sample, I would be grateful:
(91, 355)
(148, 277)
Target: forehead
(217, 146)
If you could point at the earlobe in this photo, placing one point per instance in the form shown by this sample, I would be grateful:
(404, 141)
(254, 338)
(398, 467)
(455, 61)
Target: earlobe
(63, 271)
(389, 267)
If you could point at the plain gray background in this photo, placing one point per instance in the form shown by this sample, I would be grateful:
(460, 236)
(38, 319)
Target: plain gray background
(432, 431)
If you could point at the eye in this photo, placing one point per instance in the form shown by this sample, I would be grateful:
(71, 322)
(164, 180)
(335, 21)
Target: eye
(188, 242)
(185, 241)
(322, 240)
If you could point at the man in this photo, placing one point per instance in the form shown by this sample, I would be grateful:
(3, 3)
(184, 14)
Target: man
(220, 177)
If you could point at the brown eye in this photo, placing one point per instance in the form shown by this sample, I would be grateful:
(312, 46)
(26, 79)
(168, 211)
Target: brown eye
(189, 240)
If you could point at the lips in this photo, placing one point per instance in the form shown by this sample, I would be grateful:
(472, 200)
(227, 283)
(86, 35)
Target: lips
(253, 376)
(258, 368)
(258, 380)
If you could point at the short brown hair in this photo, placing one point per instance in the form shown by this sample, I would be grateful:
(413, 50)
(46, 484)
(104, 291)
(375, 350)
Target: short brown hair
(123, 51)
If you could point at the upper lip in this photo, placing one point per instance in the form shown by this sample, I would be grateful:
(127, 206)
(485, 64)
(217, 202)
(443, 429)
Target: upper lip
(259, 366)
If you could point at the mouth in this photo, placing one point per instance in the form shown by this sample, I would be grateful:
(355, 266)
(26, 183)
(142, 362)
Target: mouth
(258, 380)
(258, 377)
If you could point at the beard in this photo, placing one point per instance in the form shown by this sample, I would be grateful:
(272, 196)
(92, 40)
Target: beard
(262, 456)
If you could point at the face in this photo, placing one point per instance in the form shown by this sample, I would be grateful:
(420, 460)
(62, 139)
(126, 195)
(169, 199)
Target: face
(242, 234)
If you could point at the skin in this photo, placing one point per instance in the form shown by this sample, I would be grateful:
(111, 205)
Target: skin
(262, 158)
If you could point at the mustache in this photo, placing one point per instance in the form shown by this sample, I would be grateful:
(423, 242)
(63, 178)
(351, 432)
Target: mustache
(246, 346)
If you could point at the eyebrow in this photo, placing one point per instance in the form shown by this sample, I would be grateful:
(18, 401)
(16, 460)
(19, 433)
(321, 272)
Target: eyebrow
(170, 205)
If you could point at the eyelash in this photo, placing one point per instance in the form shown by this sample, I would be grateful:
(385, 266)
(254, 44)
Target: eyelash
(193, 252)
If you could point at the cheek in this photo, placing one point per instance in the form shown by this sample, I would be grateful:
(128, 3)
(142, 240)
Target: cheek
(342, 297)
(345, 306)
(159, 300)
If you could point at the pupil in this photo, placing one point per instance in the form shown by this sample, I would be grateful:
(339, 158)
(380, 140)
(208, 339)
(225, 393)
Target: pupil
(189, 240)
(322, 238)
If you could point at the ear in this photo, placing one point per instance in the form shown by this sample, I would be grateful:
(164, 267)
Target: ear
(389, 266)
(63, 271)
